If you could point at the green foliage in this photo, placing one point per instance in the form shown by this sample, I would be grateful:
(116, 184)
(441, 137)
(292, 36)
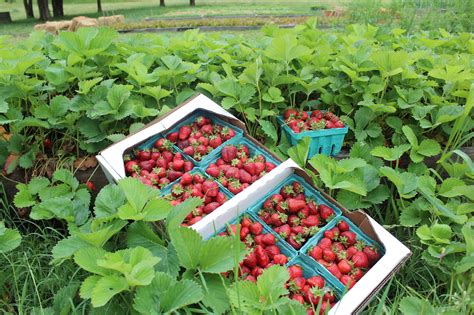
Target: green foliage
(9, 238)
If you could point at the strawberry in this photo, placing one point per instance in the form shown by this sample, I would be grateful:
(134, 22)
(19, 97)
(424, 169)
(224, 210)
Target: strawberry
(332, 268)
(344, 266)
(315, 281)
(294, 205)
(244, 176)
(310, 221)
(207, 129)
(213, 171)
(189, 150)
(184, 132)
(257, 271)
(210, 188)
(229, 153)
(259, 167)
(174, 175)
(328, 255)
(325, 212)
(194, 220)
(347, 281)
(351, 250)
(372, 254)
(271, 250)
(348, 238)
(269, 166)
(211, 207)
(360, 260)
(297, 284)
(280, 259)
(215, 141)
(251, 260)
(235, 187)
(173, 137)
(325, 243)
(186, 179)
(178, 164)
(356, 274)
(298, 297)
(131, 166)
(147, 165)
(316, 252)
(228, 133)
(256, 228)
(295, 271)
(289, 113)
(268, 239)
(250, 168)
(144, 155)
(90, 185)
(47, 143)
(220, 197)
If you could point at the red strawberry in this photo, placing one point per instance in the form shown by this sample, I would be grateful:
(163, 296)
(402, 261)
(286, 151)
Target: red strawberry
(211, 207)
(258, 239)
(298, 283)
(178, 164)
(351, 250)
(259, 167)
(332, 268)
(284, 231)
(174, 175)
(294, 205)
(229, 153)
(251, 260)
(214, 171)
(328, 255)
(271, 250)
(235, 187)
(268, 239)
(221, 198)
(344, 266)
(250, 168)
(295, 240)
(257, 271)
(348, 238)
(325, 212)
(290, 113)
(186, 179)
(207, 129)
(347, 281)
(343, 226)
(90, 185)
(244, 176)
(173, 137)
(316, 252)
(316, 281)
(189, 150)
(246, 222)
(131, 166)
(251, 278)
(310, 221)
(147, 165)
(325, 243)
(295, 271)
(372, 254)
(280, 259)
(298, 297)
(210, 188)
(360, 260)
(184, 132)
(194, 220)
(269, 166)
(357, 274)
(256, 228)
(215, 141)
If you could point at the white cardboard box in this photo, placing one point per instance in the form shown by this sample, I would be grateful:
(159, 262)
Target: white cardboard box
(111, 161)
(111, 158)
(359, 296)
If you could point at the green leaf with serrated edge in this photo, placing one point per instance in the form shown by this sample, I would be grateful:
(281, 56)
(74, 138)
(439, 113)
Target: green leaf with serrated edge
(23, 198)
(188, 246)
(441, 233)
(405, 182)
(179, 212)
(269, 129)
(217, 254)
(67, 293)
(465, 264)
(36, 184)
(390, 154)
(88, 285)
(468, 233)
(106, 287)
(137, 193)
(429, 147)
(109, 199)
(65, 176)
(271, 283)
(424, 232)
(116, 137)
(157, 209)
(411, 137)
(87, 259)
(215, 297)
(9, 238)
(449, 185)
(66, 248)
(410, 216)
(86, 85)
(180, 294)
(101, 234)
(299, 153)
(348, 165)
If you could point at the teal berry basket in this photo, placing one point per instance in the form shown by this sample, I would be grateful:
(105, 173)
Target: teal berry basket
(352, 227)
(324, 141)
(253, 149)
(167, 190)
(285, 249)
(310, 270)
(150, 143)
(309, 192)
(205, 159)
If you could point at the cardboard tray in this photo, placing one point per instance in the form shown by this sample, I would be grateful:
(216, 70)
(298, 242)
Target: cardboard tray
(356, 299)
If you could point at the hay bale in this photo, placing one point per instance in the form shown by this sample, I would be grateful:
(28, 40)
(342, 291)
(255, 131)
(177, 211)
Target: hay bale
(111, 20)
(82, 21)
(39, 27)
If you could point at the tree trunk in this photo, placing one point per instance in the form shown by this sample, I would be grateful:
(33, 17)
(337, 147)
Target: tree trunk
(162, 3)
(29, 8)
(192, 3)
(44, 10)
(99, 6)
(58, 8)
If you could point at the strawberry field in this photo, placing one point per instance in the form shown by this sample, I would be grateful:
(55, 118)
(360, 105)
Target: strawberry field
(71, 243)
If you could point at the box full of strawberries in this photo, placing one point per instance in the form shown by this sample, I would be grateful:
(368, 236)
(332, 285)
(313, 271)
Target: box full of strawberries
(337, 260)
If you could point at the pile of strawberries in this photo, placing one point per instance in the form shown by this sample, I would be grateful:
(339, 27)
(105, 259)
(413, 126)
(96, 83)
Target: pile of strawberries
(158, 166)
(343, 255)
(264, 251)
(301, 121)
(196, 185)
(310, 291)
(200, 137)
(236, 170)
(293, 216)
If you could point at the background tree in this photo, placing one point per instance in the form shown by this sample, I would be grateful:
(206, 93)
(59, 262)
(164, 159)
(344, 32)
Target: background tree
(29, 8)
(43, 8)
(99, 6)
(192, 3)
(58, 8)
(162, 3)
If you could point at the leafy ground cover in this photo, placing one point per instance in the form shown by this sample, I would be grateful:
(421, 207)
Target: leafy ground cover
(406, 97)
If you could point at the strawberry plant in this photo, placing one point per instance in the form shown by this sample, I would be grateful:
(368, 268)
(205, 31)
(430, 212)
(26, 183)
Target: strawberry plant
(9, 238)
(236, 169)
